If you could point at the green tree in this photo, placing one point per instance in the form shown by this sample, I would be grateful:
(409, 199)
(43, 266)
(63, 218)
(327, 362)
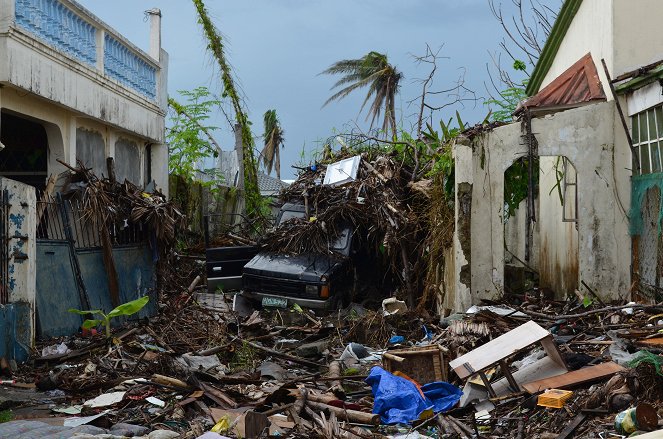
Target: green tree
(274, 138)
(189, 137)
(382, 79)
(254, 203)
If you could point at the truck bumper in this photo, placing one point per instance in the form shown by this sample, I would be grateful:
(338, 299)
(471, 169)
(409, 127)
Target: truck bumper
(304, 303)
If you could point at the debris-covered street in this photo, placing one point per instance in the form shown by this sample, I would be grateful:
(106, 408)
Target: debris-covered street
(334, 220)
(198, 367)
(215, 364)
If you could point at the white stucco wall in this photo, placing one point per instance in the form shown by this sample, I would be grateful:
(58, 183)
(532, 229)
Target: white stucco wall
(587, 137)
(590, 31)
(61, 126)
(638, 38)
(558, 257)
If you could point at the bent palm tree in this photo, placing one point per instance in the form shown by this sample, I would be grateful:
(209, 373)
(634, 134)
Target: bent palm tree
(382, 79)
(273, 141)
(215, 46)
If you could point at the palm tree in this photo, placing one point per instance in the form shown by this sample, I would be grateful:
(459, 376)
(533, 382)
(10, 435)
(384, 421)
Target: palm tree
(216, 47)
(273, 141)
(382, 79)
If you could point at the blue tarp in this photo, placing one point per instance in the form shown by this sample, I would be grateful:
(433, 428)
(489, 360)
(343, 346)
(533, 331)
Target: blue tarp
(398, 401)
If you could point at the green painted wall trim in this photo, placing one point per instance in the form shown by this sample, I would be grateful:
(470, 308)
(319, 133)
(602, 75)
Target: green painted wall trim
(640, 81)
(549, 52)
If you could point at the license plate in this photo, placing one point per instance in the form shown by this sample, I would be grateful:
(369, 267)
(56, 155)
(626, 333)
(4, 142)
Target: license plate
(275, 302)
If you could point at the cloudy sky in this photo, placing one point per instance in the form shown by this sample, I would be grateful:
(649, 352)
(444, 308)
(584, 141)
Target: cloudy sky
(278, 48)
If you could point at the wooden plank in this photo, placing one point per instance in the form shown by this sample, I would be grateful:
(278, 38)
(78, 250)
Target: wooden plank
(551, 350)
(569, 429)
(543, 368)
(499, 349)
(574, 378)
(657, 341)
(658, 434)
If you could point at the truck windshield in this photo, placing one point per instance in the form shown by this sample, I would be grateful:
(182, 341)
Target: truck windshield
(339, 243)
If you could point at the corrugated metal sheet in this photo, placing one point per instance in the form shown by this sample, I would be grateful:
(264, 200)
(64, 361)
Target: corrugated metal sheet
(578, 85)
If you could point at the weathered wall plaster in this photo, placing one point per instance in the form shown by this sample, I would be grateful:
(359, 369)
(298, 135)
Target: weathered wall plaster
(587, 137)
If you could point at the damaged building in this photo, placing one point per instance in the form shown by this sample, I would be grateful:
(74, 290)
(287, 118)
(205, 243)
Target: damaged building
(587, 146)
(72, 90)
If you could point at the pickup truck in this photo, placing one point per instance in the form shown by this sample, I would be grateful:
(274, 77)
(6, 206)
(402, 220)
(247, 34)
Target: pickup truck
(311, 280)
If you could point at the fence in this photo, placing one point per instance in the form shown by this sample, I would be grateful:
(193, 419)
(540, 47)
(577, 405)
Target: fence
(72, 264)
(57, 217)
(4, 247)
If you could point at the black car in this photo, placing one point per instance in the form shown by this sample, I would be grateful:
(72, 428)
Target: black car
(312, 280)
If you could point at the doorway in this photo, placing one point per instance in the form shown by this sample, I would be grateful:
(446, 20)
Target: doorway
(24, 157)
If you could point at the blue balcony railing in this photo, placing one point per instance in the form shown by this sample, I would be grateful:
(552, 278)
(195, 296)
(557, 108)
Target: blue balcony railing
(70, 32)
(59, 26)
(123, 65)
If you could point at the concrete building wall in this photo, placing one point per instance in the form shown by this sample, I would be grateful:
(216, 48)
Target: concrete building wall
(590, 31)
(558, 251)
(638, 37)
(587, 137)
(98, 77)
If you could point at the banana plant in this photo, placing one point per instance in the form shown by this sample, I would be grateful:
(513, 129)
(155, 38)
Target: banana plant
(126, 309)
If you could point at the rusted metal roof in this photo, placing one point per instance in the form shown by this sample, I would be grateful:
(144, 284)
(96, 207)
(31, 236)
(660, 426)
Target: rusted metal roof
(578, 85)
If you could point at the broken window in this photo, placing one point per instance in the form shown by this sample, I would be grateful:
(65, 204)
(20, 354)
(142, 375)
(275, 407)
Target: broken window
(91, 150)
(127, 161)
(569, 191)
(647, 133)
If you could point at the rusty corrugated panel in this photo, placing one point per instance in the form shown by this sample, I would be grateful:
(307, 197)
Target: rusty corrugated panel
(578, 85)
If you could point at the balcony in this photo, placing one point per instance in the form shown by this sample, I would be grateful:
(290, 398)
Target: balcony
(60, 51)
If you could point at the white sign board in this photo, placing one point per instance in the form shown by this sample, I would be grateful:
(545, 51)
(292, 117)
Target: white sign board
(342, 172)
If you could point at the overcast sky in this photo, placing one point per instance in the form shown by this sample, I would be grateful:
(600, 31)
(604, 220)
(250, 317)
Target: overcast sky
(278, 48)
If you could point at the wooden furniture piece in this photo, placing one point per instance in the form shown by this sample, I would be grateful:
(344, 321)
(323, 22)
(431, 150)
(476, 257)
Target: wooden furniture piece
(424, 364)
(499, 350)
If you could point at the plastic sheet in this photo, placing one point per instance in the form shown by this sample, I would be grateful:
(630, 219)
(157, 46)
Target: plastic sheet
(398, 401)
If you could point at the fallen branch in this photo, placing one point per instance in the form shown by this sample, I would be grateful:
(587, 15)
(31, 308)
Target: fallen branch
(347, 415)
(589, 313)
(280, 354)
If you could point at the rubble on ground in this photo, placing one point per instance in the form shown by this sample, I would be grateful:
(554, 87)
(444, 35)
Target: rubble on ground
(527, 366)
(199, 368)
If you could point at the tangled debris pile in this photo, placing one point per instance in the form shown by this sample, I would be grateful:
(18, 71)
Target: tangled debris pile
(200, 370)
(108, 203)
(380, 201)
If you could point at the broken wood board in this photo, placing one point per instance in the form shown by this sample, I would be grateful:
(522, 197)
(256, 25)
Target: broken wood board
(539, 370)
(656, 341)
(576, 377)
(658, 434)
(499, 349)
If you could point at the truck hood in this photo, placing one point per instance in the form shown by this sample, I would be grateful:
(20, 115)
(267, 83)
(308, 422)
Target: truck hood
(306, 267)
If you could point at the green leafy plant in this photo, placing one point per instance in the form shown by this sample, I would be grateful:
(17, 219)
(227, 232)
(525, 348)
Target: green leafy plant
(126, 309)
(6, 416)
(190, 137)
(516, 184)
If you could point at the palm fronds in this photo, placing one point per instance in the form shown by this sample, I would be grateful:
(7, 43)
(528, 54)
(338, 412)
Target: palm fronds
(382, 79)
(274, 138)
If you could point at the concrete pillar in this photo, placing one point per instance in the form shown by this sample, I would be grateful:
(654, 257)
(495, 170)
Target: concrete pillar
(101, 48)
(155, 33)
(160, 167)
(7, 14)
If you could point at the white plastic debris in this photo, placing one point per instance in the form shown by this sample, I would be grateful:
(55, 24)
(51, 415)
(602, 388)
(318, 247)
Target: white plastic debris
(628, 311)
(78, 421)
(392, 306)
(105, 400)
(56, 349)
(499, 310)
(155, 401)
